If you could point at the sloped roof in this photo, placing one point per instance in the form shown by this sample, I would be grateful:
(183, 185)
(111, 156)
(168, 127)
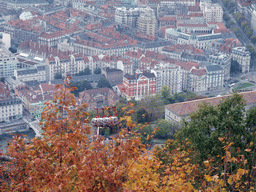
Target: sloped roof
(185, 108)
(213, 68)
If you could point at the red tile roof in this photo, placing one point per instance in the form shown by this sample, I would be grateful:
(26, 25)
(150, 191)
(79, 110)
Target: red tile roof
(168, 18)
(192, 25)
(145, 36)
(193, 8)
(199, 72)
(196, 14)
(93, 26)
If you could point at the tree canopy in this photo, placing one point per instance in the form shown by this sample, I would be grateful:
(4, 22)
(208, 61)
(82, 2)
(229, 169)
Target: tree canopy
(215, 150)
(103, 82)
(58, 76)
(97, 71)
(81, 86)
(86, 71)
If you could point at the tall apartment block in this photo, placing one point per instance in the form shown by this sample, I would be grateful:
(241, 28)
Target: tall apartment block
(127, 16)
(243, 57)
(142, 18)
(147, 22)
(212, 11)
(8, 62)
(168, 75)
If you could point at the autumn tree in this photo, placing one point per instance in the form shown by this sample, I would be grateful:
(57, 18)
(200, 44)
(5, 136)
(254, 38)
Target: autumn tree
(214, 151)
(64, 159)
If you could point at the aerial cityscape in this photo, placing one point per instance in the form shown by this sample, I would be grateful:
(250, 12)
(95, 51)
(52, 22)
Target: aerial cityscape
(152, 62)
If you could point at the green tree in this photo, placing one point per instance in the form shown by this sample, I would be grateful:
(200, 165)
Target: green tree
(226, 2)
(231, 6)
(81, 86)
(249, 32)
(165, 94)
(226, 17)
(230, 23)
(103, 82)
(86, 71)
(181, 97)
(142, 116)
(154, 105)
(165, 130)
(50, 1)
(145, 131)
(84, 84)
(253, 39)
(210, 123)
(244, 24)
(97, 71)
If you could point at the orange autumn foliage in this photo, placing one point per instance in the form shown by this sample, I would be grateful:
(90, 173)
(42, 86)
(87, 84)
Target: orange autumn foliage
(67, 158)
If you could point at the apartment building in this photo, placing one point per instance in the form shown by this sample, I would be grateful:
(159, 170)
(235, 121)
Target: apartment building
(243, 57)
(198, 40)
(215, 77)
(168, 75)
(10, 105)
(212, 11)
(167, 21)
(147, 22)
(17, 4)
(35, 73)
(20, 30)
(198, 80)
(5, 40)
(223, 60)
(8, 62)
(127, 16)
(114, 76)
(138, 85)
(66, 65)
(175, 2)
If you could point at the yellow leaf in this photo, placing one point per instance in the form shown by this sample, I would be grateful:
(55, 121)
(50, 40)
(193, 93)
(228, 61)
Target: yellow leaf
(206, 163)
(221, 182)
(221, 138)
(129, 121)
(230, 180)
(208, 178)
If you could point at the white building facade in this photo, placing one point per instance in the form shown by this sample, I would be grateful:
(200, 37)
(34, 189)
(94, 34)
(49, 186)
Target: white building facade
(169, 75)
(243, 57)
